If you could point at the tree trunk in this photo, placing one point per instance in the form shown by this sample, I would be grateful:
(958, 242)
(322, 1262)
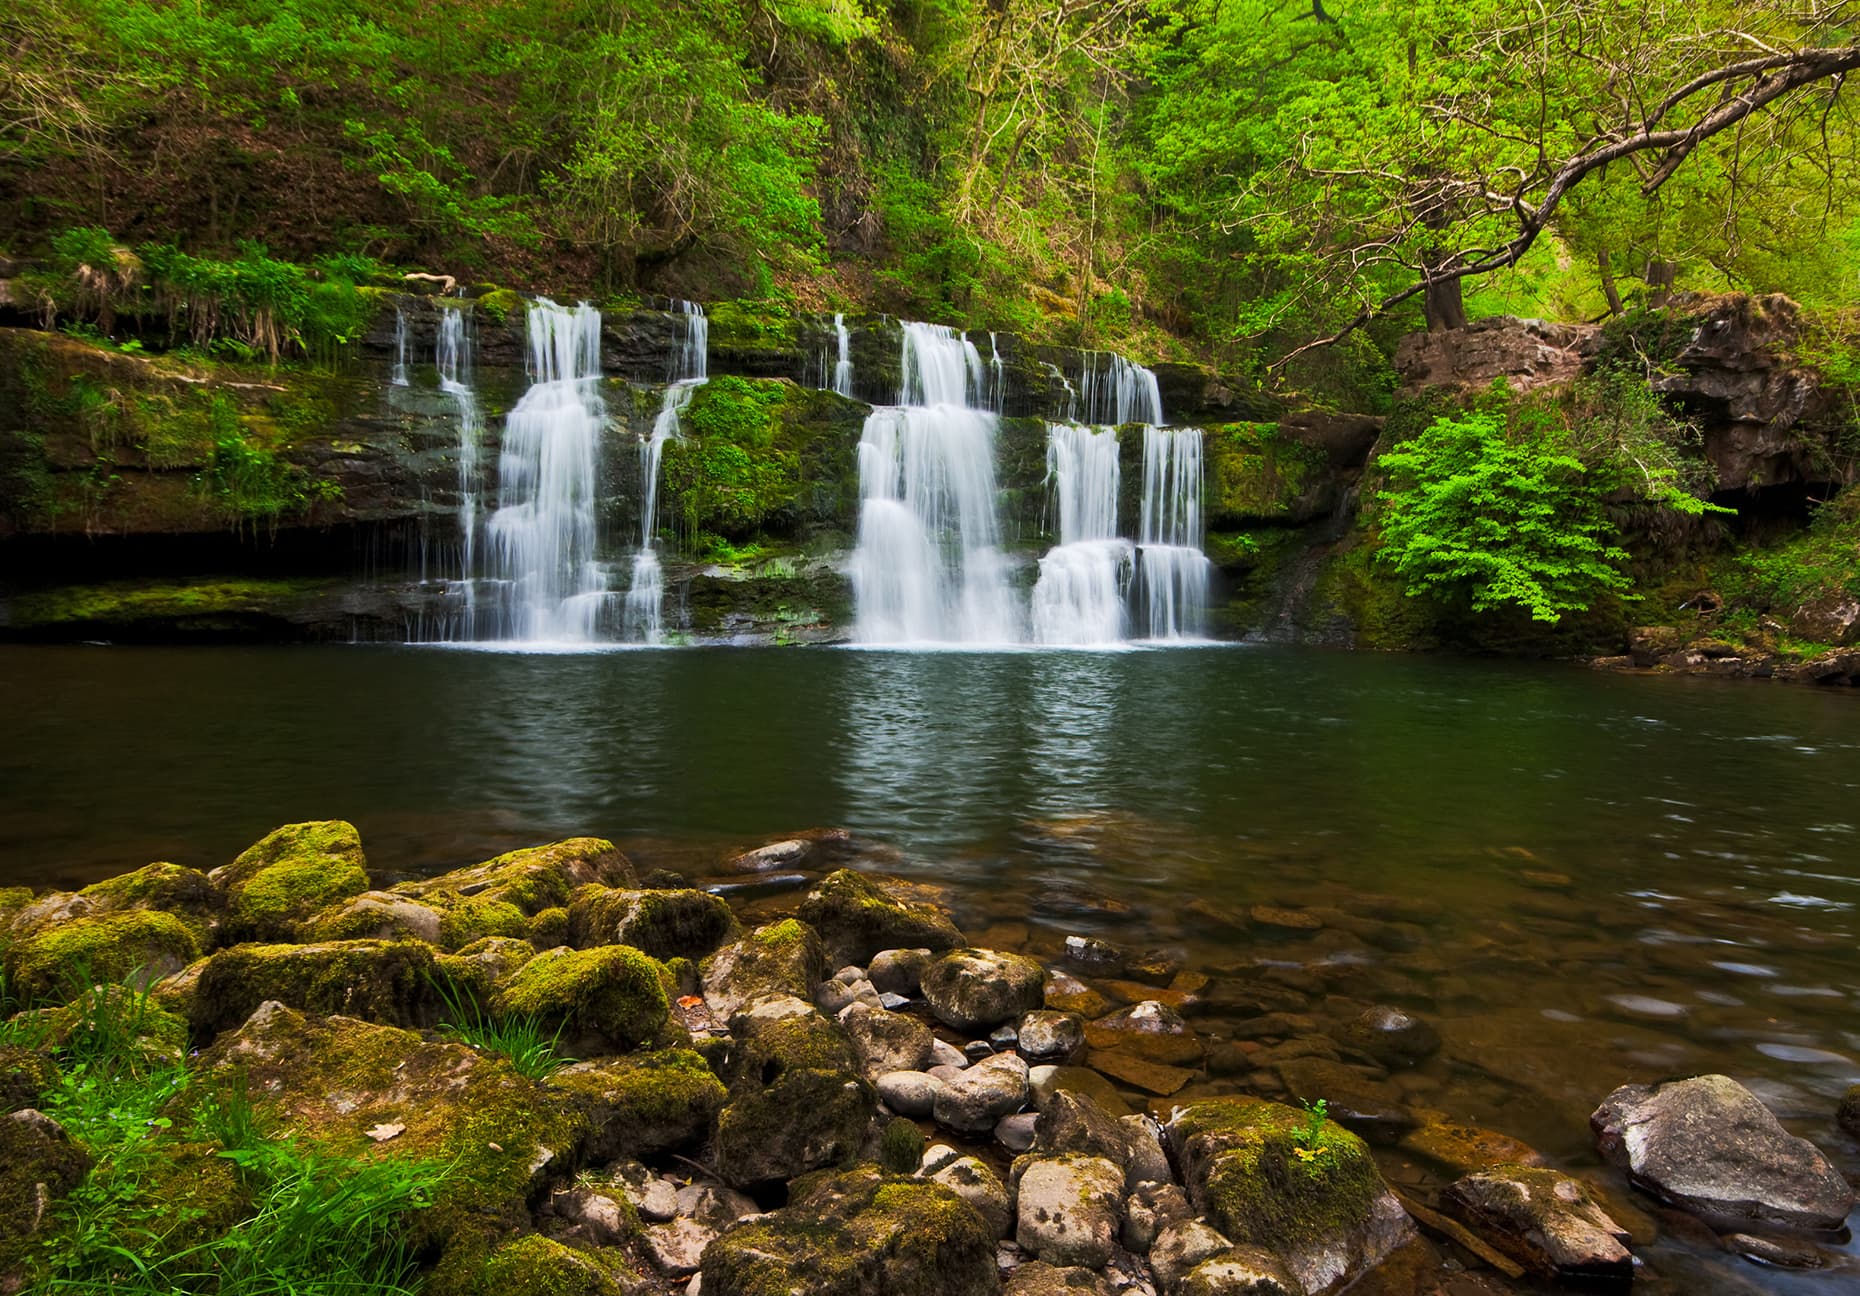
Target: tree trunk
(1444, 305)
(1608, 282)
(1660, 278)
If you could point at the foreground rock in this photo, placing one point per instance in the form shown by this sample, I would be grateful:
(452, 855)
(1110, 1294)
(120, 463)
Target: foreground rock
(1544, 1220)
(784, 958)
(600, 1000)
(38, 1165)
(976, 990)
(1327, 1216)
(1708, 1145)
(287, 876)
(644, 1104)
(856, 918)
(857, 1233)
(797, 1100)
(1070, 1209)
(972, 1100)
(665, 924)
(389, 982)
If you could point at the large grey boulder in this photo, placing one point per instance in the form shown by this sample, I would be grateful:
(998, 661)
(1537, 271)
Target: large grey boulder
(1709, 1146)
(1070, 1208)
(1544, 1220)
(887, 1041)
(977, 990)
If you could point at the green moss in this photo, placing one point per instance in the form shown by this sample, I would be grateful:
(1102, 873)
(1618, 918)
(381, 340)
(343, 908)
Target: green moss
(759, 325)
(498, 304)
(12, 900)
(534, 1265)
(476, 917)
(614, 993)
(163, 603)
(1244, 1169)
(104, 947)
(156, 886)
(856, 918)
(662, 923)
(645, 1104)
(26, 1076)
(30, 1162)
(533, 879)
(381, 981)
(901, 1146)
(549, 928)
(1254, 474)
(289, 875)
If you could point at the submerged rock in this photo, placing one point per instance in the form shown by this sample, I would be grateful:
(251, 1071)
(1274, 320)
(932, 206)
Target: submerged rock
(665, 924)
(1309, 1192)
(289, 875)
(858, 1233)
(977, 989)
(1708, 1145)
(1391, 1036)
(1544, 1220)
(1149, 1029)
(856, 918)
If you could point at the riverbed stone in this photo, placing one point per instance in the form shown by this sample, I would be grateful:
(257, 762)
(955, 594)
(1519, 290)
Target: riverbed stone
(1392, 1037)
(1148, 1162)
(785, 854)
(1151, 1077)
(777, 958)
(1064, 992)
(797, 1102)
(1073, 1123)
(1847, 1115)
(1048, 1036)
(1456, 1148)
(1149, 1210)
(1544, 1220)
(1037, 1278)
(971, 1179)
(908, 1093)
(680, 923)
(1069, 1209)
(1181, 1245)
(899, 971)
(1149, 1029)
(972, 1100)
(287, 876)
(977, 989)
(887, 1041)
(1708, 1145)
(1238, 1271)
(1017, 1132)
(857, 917)
(857, 1233)
(643, 1104)
(1094, 956)
(603, 1000)
(1371, 1108)
(1045, 1081)
(1328, 1217)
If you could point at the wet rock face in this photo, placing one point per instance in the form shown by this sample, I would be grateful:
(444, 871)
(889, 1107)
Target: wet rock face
(975, 990)
(1709, 1146)
(858, 1233)
(1544, 1220)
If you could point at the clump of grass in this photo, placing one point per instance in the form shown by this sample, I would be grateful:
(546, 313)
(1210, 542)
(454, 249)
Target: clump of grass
(519, 1038)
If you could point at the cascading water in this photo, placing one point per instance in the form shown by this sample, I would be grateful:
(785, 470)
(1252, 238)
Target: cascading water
(842, 368)
(928, 567)
(643, 613)
(997, 373)
(1172, 571)
(542, 535)
(1115, 391)
(452, 358)
(399, 376)
(1079, 598)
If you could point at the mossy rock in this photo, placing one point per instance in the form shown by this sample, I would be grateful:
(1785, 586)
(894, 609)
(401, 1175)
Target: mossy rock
(327, 1081)
(645, 1104)
(288, 876)
(614, 997)
(534, 1265)
(797, 1100)
(185, 892)
(549, 928)
(532, 879)
(144, 944)
(131, 1024)
(499, 956)
(1305, 1189)
(381, 981)
(664, 924)
(38, 1165)
(785, 957)
(373, 915)
(856, 918)
(476, 917)
(12, 900)
(858, 1233)
(26, 1076)
(200, 1191)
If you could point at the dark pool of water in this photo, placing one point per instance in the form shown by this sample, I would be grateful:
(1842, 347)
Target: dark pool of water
(1610, 878)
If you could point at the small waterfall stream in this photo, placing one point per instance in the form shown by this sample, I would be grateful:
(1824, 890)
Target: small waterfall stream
(643, 613)
(1080, 596)
(1172, 571)
(542, 536)
(842, 368)
(452, 358)
(399, 375)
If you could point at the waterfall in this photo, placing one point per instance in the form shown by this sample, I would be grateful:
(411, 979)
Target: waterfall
(842, 370)
(1115, 391)
(1172, 572)
(1079, 598)
(452, 358)
(928, 567)
(543, 535)
(1071, 414)
(399, 377)
(643, 613)
(997, 374)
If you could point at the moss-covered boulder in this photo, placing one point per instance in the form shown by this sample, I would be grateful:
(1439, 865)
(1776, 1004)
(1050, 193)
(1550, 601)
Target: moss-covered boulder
(476, 917)
(797, 1100)
(135, 944)
(856, 918)
(783, 958)
(26, 1076)
(126, 1022)
(330, 1081)
(373, 915)
(665, 924)
(380, 981)
(12, 900)
(170, 888)
(38, 1165)
(602, 1000)
(1307, 1190)
(534, 1265)
(858, 1233)
(289, 876)
(499, 956)
(533, 879)
(643, 1104)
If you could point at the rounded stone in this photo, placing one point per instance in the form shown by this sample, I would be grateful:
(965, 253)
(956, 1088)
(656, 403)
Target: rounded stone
(1015, 1133)
(1048, 1036)
(909, 1093)
(975, 989)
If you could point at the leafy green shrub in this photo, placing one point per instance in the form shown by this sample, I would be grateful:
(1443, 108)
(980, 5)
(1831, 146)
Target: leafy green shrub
(1474, 514)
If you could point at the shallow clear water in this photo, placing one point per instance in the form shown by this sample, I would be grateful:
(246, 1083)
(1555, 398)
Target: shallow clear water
(1634, 877)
